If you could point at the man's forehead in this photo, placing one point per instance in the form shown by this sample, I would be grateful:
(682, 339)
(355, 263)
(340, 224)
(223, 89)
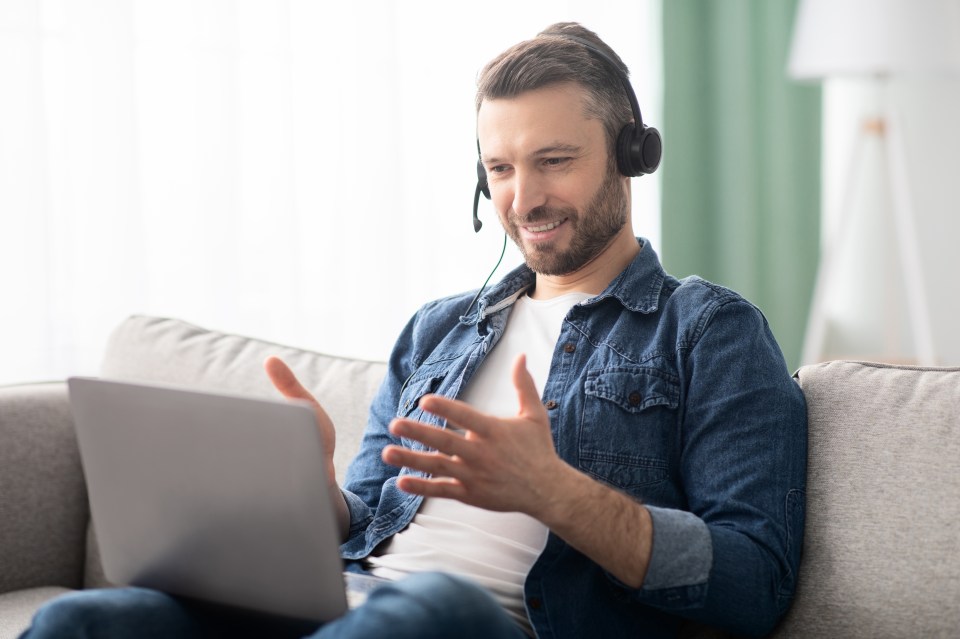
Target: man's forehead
(537, 122)
(573, 93)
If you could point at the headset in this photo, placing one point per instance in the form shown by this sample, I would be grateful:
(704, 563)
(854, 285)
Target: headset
(638, 147)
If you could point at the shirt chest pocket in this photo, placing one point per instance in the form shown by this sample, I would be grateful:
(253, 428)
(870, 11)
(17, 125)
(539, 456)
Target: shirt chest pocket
(627, 434)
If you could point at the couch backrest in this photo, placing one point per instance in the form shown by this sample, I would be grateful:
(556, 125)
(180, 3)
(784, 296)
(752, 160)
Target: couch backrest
(881, 554)
(152, 349)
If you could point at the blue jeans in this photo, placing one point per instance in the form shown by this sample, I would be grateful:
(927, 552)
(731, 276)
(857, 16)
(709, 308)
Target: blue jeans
(423, 606)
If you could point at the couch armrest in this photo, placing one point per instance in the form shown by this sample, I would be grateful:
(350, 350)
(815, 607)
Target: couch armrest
(880, 551)
(43, 499)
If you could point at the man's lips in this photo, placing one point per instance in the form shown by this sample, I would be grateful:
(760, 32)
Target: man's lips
(543, 228)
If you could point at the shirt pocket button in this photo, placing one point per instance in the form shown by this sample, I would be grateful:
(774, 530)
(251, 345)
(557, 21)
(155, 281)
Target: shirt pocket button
(635, 398)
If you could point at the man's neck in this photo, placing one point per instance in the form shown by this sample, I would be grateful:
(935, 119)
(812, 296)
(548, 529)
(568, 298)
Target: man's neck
(594, 276)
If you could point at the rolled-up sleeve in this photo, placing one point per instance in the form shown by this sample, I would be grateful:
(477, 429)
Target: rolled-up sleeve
(731, 558)
(682, 553)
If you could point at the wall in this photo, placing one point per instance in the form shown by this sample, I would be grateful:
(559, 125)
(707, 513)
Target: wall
(221, 163)
(868, 308)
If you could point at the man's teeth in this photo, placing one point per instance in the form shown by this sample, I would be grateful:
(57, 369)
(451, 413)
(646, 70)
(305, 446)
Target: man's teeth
(545, 227)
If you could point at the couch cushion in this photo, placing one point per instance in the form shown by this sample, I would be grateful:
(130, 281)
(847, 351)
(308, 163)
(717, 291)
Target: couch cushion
(17, 608)
(881, 556)
(153, 349)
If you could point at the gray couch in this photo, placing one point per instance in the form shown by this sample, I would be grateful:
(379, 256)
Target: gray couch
(882, 547)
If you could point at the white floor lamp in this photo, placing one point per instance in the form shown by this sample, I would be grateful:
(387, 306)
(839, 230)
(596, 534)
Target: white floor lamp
(879, 40)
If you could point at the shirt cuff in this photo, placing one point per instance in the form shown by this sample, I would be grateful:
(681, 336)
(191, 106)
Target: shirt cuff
(360, 514)
(682, 552)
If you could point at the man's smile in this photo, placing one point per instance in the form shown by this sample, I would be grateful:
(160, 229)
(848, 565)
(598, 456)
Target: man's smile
(549, 226)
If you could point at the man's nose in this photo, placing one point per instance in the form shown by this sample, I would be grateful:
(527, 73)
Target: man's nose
(529, 192)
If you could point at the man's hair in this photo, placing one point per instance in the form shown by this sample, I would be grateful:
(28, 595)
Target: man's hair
(551, 58)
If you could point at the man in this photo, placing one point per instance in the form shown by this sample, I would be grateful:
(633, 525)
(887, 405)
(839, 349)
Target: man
(592, 449)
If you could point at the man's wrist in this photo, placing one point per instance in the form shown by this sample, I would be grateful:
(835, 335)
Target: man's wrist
(564, 496)
(595, 519)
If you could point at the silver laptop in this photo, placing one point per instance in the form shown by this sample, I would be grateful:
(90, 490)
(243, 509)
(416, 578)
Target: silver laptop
(211, 496)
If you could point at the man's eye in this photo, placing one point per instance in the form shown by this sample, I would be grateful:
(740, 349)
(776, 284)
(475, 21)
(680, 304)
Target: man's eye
(500, 168)
(555, 161)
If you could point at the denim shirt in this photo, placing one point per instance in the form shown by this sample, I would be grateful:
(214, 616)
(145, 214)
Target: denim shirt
(673, 392)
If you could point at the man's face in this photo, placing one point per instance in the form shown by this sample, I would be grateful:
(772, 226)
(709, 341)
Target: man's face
(550, 177)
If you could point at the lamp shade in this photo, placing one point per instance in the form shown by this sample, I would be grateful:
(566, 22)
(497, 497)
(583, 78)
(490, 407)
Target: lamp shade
(875, 37)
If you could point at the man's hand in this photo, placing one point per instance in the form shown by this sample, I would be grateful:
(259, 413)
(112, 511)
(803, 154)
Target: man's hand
(495, 463)
(290, 387)
(511, 465)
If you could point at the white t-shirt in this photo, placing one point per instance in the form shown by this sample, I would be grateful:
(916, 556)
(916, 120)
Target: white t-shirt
(493, 549)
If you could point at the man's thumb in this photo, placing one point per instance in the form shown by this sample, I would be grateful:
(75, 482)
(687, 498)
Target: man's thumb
(285, 381)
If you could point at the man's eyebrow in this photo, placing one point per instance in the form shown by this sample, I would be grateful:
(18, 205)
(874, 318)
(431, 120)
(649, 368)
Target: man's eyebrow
(546, 150)
(559, 148)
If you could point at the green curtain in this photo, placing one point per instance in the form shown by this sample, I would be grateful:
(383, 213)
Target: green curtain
(741, 165)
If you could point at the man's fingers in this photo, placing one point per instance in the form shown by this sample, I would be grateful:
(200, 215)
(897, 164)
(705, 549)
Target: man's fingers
(441, 469)
(527, 394)
(291, 388)
(436, 487)
(444, 440)
(466, 417)
(457, 413)
(437, 464)
(285, 381)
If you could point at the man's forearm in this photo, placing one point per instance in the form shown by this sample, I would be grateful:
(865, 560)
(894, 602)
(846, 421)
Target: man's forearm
(606, 525)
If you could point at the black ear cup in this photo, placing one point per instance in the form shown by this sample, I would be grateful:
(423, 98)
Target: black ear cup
(639, 147)
(638, 154)
(651, 149)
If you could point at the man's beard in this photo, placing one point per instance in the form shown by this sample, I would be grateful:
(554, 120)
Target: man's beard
(593, 230)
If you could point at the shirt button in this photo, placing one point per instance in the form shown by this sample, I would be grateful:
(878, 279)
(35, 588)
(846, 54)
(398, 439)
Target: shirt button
(534, 603)
(569, 348)
(634, 398)
(550, 404)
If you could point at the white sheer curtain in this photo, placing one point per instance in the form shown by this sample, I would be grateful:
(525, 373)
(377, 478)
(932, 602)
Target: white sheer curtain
(297, 170)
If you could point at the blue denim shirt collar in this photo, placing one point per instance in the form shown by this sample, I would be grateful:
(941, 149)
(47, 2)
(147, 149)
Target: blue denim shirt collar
(637, 288)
